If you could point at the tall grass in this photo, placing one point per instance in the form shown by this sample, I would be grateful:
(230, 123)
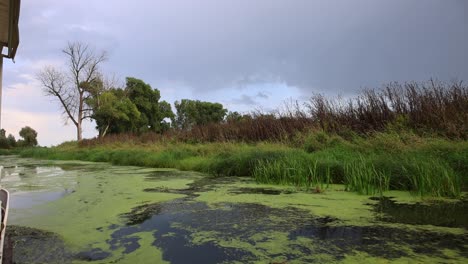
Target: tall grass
(290, 171)
(364, 178)
(364, 174)
(367, 165)
(435, 180)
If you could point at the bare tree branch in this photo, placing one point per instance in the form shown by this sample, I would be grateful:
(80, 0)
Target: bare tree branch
(54, 84)
(83, 68)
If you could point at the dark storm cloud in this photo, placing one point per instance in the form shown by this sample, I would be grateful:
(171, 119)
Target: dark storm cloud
(245, 100)
(262, 95)
(313, 45)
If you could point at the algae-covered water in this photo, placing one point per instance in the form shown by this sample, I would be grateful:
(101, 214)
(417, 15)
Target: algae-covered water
(81, 212)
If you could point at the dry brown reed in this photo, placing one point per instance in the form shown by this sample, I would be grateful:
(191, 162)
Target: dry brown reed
(432, 107)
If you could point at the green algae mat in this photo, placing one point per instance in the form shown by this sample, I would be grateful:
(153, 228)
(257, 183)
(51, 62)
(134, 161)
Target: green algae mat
(82, 212)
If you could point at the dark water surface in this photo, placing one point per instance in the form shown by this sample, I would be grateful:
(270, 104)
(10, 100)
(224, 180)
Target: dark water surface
(448, 214)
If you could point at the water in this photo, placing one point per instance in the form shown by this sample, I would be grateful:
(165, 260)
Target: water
(93, 212)
(448, 214)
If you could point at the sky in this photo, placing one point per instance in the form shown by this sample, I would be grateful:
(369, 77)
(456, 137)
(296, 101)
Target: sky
(245, 54)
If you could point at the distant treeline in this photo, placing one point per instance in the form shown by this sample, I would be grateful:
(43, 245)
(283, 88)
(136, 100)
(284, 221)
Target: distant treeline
(28, 135)
(427, 108)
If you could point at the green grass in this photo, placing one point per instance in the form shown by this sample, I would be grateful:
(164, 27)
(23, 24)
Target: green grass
(292, 171)
(363, 177)
(425, 166)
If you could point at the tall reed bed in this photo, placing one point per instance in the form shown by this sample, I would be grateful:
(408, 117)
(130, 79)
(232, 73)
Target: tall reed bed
(368, 174)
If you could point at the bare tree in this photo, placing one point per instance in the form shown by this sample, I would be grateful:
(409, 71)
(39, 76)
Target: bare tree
(71, 87)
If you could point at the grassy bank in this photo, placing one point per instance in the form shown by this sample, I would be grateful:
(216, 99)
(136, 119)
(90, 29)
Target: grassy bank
(426, 166)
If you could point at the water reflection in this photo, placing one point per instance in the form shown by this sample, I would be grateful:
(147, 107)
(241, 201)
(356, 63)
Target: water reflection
(31, 184)
(448, 214)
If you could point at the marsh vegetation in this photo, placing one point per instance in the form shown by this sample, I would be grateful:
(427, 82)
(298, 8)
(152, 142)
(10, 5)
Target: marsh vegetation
(425, 166)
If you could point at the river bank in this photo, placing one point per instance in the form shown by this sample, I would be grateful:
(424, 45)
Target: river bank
(425, 166)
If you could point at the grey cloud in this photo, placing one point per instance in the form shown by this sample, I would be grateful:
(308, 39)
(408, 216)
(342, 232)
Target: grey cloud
(245, 100)
(262, 95)
(331, 46)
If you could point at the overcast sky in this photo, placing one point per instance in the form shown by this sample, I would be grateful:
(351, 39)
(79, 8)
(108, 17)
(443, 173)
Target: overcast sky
(245, 54)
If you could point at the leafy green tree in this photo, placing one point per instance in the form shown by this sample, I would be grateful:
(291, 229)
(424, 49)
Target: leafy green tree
(114, 113)
(137, 108)
(7, 142)
(29, 136)
(3, 139)
(232, 117)
(11, 140)
(186, 112)
(165, 114)
(195, 112)
(153, 112)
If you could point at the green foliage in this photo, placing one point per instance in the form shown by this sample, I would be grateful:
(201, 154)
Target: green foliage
(153, 112)
(116, 113)
(399, 124)
(434, 178)
(195, 112)
(134, 109)
(93, 87)
(29, 136)
(242, 161)
(7, 142)
(298, 169)
(11, 141)
(3, 139)
(233, 117)
(362, 177)
(164, 114)
(316, 141)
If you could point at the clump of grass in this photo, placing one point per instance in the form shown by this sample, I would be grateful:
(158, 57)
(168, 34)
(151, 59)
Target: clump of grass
(241, 163)
(363, 178)
(291, 170)
(434, 179)
(315, 178)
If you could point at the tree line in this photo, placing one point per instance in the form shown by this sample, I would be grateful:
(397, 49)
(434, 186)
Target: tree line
(83, 93)
(28, 135)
